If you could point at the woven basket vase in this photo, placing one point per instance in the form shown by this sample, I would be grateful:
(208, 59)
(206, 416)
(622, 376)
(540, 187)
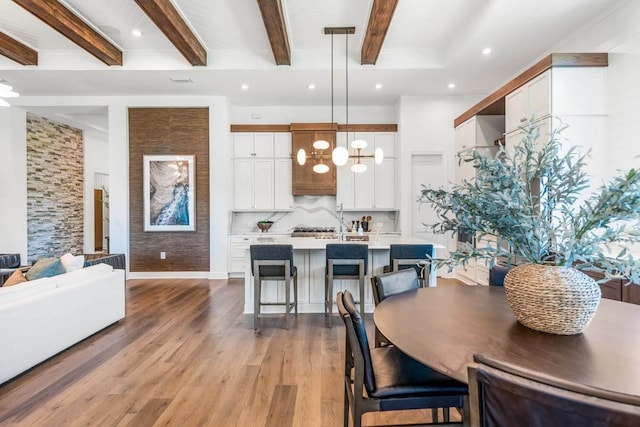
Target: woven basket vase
(556, 300)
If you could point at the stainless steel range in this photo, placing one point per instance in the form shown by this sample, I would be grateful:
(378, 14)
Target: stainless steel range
(317, 232)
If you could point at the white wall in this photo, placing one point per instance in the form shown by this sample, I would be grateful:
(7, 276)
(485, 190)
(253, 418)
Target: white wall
(13, 182)
(312, 114)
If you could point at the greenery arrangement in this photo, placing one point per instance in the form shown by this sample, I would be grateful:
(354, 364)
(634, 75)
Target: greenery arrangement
(533, 198)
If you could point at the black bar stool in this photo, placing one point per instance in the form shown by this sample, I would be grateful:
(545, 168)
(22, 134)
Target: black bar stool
(345, 261)
(273, 262)
(411, 256)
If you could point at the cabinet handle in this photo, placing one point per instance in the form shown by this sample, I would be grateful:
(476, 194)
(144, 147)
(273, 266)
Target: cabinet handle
(253, 154)
(522, 120)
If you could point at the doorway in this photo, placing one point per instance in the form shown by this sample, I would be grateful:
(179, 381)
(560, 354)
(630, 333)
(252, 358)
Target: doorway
(101, 212)
(428, 169)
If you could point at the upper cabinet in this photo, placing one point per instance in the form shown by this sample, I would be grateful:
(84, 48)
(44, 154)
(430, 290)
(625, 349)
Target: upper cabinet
(305, 180)
(262, 171)
(530, 101)
(373, 189)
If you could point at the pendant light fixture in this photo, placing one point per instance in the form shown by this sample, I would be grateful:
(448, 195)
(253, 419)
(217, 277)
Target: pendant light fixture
(340, 155)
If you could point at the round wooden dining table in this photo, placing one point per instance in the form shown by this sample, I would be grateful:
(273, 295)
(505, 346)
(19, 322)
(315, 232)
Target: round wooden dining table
(443, 327)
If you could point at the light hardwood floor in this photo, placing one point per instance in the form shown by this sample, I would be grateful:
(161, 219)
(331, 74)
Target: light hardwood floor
(185, 355)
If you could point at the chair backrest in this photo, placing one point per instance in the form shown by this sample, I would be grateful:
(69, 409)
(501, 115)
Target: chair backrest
(409, 251)
(357, 337)
(347, 251)
(394, 283)
(272, 253)
(512, 395)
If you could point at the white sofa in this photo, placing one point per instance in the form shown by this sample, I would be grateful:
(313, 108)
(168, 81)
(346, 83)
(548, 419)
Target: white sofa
(40, 318)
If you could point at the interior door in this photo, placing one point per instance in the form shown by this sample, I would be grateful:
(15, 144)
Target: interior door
(97, 220)
(427, 169)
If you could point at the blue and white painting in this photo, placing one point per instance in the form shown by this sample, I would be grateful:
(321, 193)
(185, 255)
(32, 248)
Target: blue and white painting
(169, 193)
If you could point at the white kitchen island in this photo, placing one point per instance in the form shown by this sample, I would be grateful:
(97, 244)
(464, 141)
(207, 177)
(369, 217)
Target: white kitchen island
(309, 258)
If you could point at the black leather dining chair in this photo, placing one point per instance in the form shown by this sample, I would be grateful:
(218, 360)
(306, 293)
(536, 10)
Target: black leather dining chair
(503, 394)
(385, 379)
(388, 284)
(414, 256)
(344, 261)
(273, 262)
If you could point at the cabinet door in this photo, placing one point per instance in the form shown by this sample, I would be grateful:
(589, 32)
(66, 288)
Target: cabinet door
(384, 184)
(282, 145)
(343, 139)
(363, 186)
(283, 198)
(243, 183)
(538, 96)
(263, 144)
(465, 135)
(243, 144)
(344, 189)
(386, 141)
(263, 184)
(516, 109)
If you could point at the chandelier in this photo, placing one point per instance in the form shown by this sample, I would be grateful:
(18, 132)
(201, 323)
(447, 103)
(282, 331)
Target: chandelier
(340, 155)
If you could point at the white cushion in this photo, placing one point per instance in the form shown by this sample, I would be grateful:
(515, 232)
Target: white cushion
(82, 274)
(72, 263)
(26, 289)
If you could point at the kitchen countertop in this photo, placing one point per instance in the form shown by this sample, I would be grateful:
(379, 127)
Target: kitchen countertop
(310, 243)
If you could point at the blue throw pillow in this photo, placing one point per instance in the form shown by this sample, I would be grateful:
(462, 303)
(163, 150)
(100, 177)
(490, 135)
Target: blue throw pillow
(46, 267)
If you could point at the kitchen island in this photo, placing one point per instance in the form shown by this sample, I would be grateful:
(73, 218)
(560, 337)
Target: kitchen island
(309, 258)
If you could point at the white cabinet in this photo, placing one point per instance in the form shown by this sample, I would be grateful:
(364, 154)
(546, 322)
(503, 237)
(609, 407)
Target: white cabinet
(262, 171)
(531, 100)
(373, 189)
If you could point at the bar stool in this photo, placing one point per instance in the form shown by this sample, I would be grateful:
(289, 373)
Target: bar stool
(407, 256)
(345, 261)
(273, 262)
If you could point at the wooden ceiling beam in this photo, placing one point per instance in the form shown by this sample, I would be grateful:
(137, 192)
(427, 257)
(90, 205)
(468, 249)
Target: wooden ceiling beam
(169, 21)
(16, 51)
(58, 17)
(273, 19)
(379, 21)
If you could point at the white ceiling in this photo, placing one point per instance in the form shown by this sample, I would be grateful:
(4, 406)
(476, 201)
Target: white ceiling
(430, 43)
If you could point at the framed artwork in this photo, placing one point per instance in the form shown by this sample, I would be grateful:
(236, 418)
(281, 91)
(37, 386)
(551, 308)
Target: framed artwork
(169, 193)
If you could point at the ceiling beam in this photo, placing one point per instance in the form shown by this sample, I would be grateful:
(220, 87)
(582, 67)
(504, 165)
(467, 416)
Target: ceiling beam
(16, 51)
(169, 21)
(58, 17)
(273, 19)
(379, 21)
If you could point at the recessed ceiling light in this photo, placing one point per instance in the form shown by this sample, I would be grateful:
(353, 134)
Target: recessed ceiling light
(136, 32)
(244, 86)
(311, 86)
(451, 85)
(486, 51)
(378, 85)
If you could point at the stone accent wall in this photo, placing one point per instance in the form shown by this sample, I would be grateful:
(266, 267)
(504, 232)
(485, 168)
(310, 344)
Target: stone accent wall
(55, 170)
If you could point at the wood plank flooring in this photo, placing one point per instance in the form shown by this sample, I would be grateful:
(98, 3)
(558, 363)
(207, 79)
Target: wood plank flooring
(185, 355)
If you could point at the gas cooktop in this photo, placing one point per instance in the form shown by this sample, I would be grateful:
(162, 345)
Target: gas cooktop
(317, 232)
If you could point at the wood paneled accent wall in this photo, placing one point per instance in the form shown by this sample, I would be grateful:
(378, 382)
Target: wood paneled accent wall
(166, 131)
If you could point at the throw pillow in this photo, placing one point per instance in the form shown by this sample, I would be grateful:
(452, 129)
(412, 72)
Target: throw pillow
(72, 263)
(46, 267)
(15, 278)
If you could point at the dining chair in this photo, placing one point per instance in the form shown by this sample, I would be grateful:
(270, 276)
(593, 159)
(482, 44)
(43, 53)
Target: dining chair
(273, 262)
(503, 394)
(414, 256)
(386, 379)
(344, 261)
(388, 284)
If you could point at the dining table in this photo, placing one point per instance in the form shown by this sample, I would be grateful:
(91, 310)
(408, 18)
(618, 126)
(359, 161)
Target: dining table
(443, 327)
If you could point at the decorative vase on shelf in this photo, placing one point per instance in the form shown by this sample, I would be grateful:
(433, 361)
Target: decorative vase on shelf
(547, 298)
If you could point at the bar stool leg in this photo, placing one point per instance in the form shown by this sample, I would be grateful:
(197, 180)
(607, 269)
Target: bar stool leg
(287, 295)
(361, 284)
(295, 293)
(256, 300)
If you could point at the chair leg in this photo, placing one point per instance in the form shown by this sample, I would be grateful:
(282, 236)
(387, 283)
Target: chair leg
(346, 407)
(362, 296)
(330, 300)
(287, 307)
(445, 414)
(434, 415)
(295, 293)
(256, 300)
